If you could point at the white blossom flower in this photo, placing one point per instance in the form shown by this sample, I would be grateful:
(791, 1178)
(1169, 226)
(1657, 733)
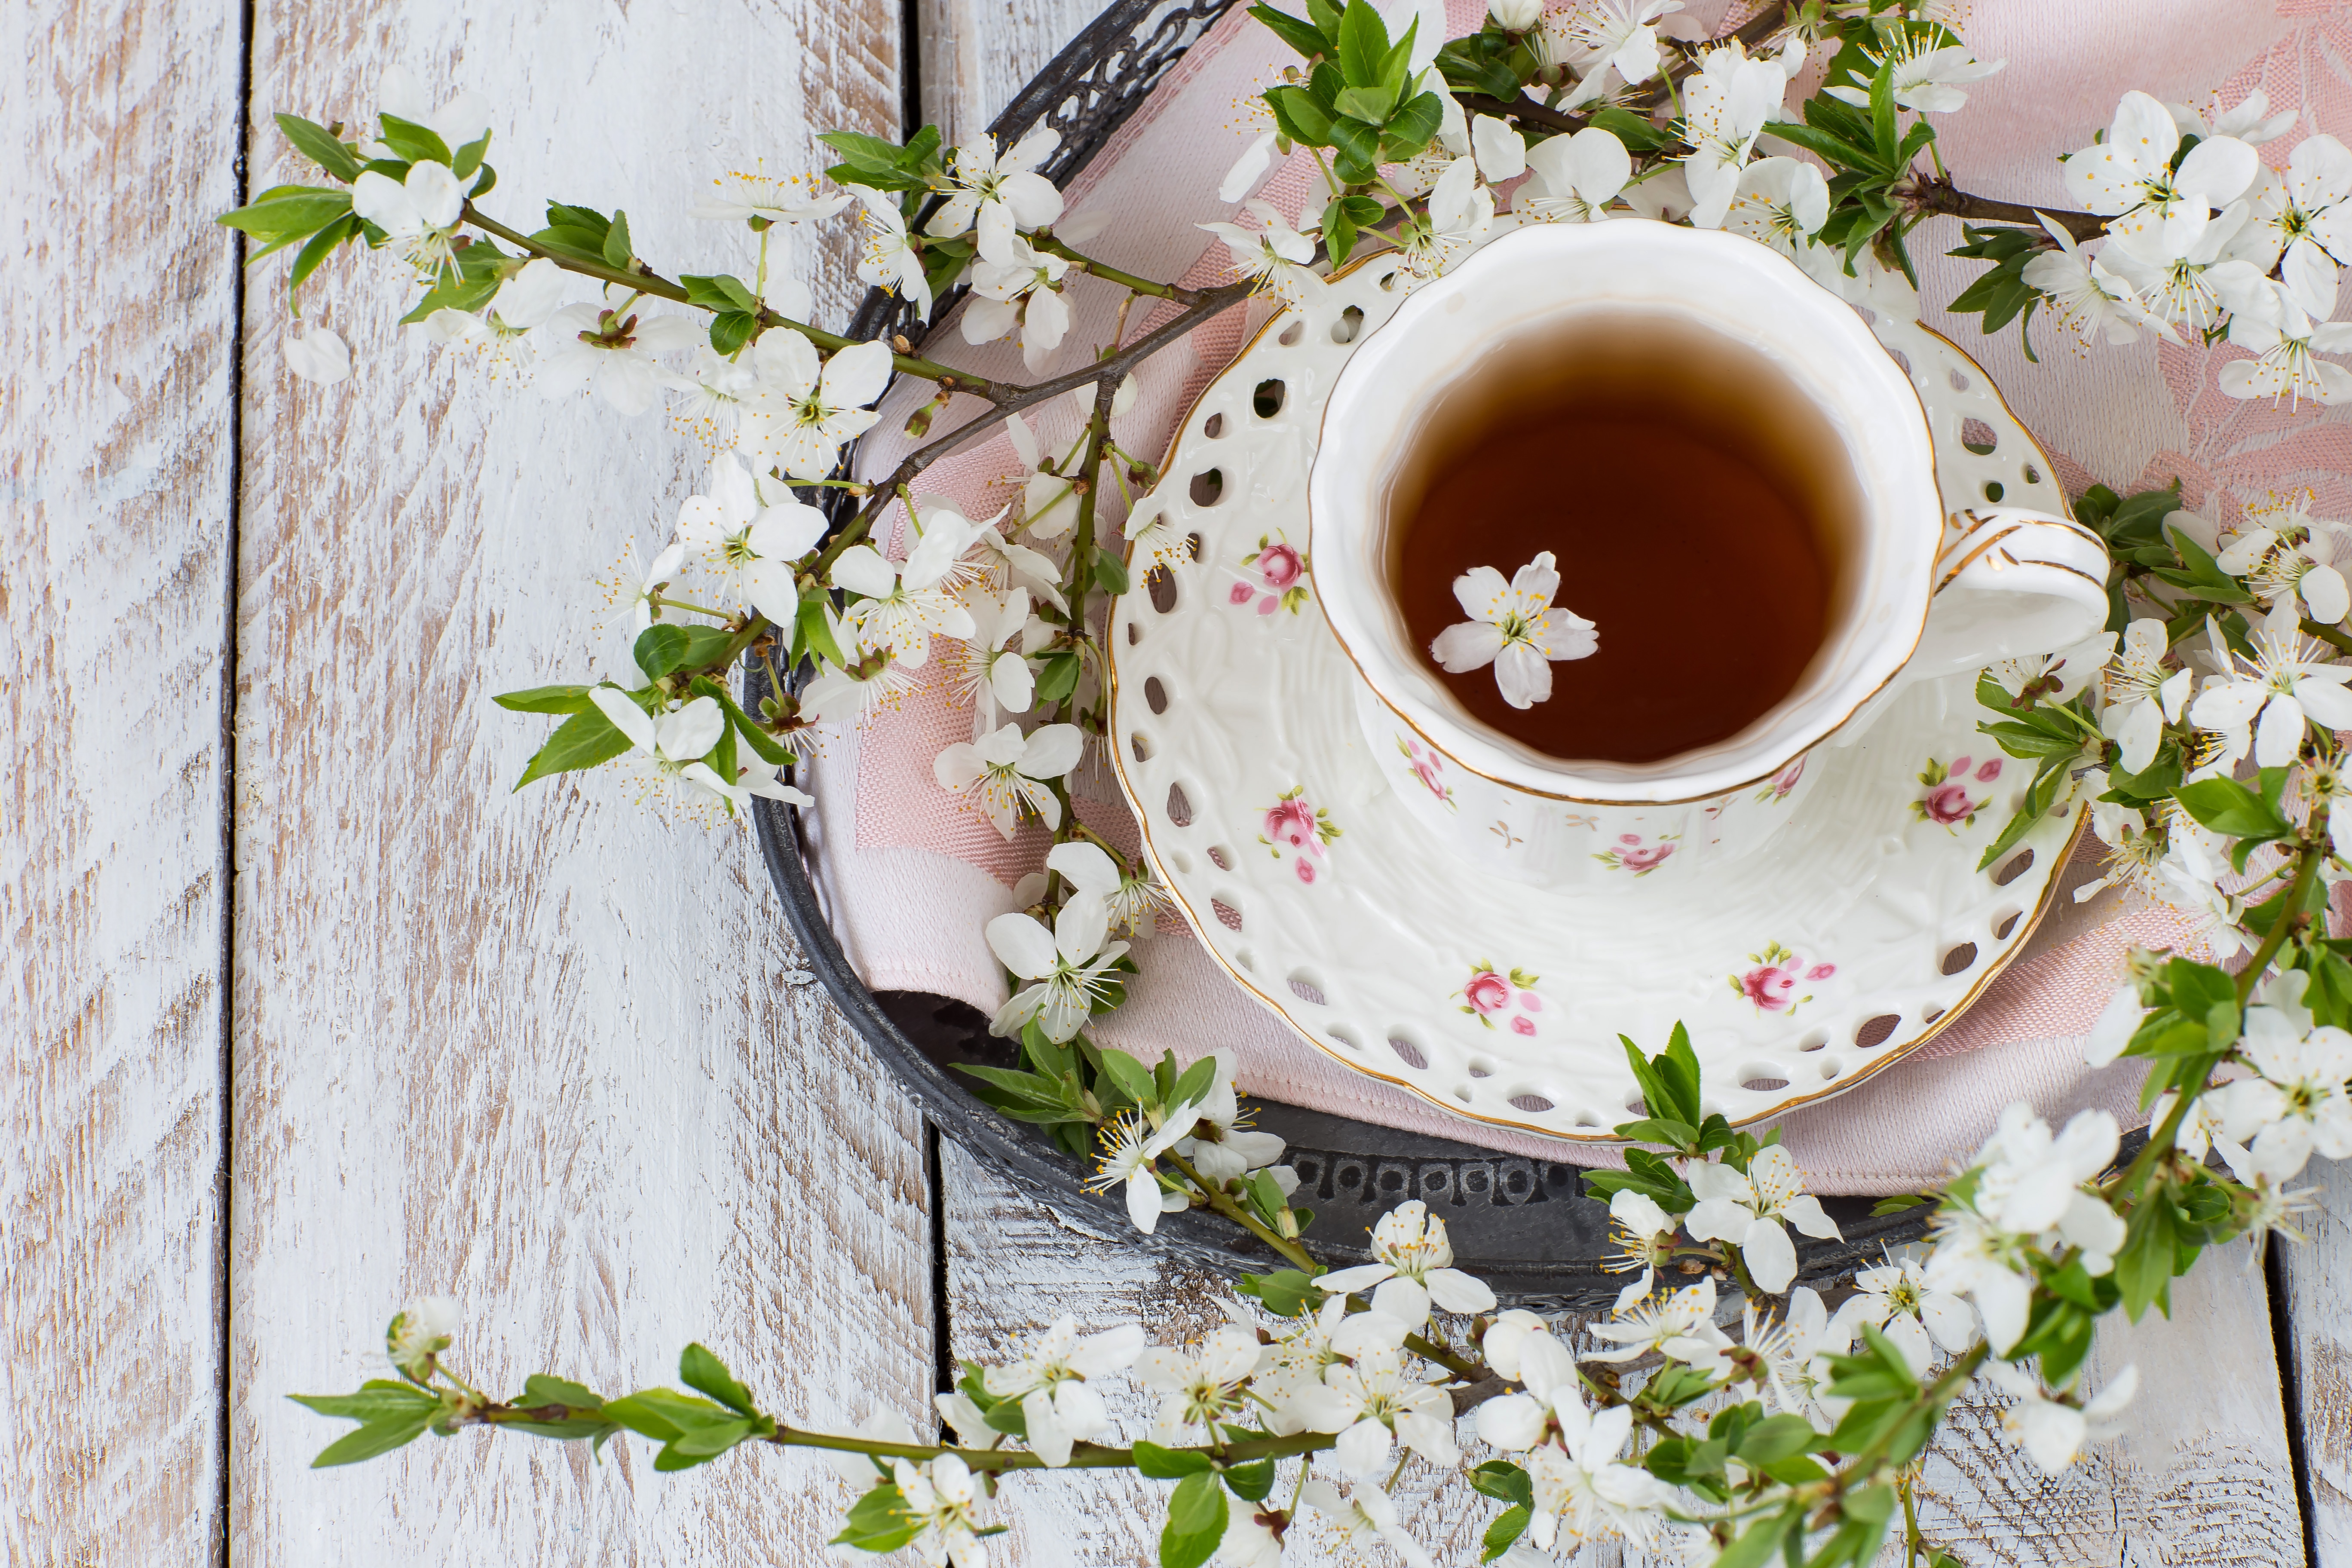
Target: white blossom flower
(2278, 564)
(2054, 1433)
(1514, 627)
(318, 354)
(1896, 1300)
(1051, 1379)
(2129, 175)
(1662, 194)
(998, 193)
(2299, 1104)
(853, 696)
(1068, 968)
(1220, 1146)
(1274, 253)
(2118, 1021)
(750, 543)
(1623, 35)
(2028, 1184)
(642, 587)
(2287, 342)
(1926, 78)
(1747, 1211)
(528, 298)
(2284, 683)
(1023, 291)
(1516, 15)
(1780, 202)
(1581, 1491)
(1461, 211)
(609, 349)
(1512, 1331)
(1500, 153)
(1369, 1515)
(790, 199)
(1206, 1388)
(2142, 696)
(1004, 772)
(1575, 177)
(1640, 1225)
(1248, 169)
(1253, 1537)
(2251, 122)
(715, 387)
(463, 118)
(2179, 266)
(2204, 1129)
(1725, 104)
(2084, 297)
(891, 260)
(997, 678)
(943, 1498)
(417, 213)
(1413, 1267)
(801, 411)
(2307, 224)
(1685, 1314)
(903, 607)
(677, 743)
(1140, 901)
(1426, 19)
(419, 1332)
(1371, 1399)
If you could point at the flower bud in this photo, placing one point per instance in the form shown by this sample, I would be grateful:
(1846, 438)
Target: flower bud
(1516, 15)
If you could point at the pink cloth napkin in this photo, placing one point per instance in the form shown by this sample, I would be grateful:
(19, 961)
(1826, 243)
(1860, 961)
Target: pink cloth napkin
(910, 877)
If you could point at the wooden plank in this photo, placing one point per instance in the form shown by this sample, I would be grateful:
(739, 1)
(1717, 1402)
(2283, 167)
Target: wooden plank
(2318, 1304)
(976, 54)
(115, 400)
(529, 1050)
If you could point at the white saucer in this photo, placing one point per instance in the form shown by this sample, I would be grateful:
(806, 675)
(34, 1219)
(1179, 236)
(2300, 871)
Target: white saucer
(1862, 929)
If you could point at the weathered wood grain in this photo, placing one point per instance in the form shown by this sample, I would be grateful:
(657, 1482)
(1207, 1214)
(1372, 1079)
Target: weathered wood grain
(529, 1050)
(2318, 1302)
(976, 54)
(115, 444)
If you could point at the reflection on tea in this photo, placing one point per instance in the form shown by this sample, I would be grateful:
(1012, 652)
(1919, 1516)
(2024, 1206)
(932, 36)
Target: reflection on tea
(1695, 499)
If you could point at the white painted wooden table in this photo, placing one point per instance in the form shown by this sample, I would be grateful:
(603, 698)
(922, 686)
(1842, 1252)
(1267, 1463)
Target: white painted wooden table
(307, 1014)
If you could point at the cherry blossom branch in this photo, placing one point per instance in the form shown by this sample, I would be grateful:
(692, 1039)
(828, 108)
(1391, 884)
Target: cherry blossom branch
(1935, 194)
(1043, 241)
(647, 280)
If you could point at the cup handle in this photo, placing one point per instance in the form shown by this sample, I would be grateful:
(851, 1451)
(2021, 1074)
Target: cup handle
(2009, 583)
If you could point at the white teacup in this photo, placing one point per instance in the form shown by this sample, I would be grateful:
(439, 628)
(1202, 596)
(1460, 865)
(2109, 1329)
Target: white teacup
(1916, 594)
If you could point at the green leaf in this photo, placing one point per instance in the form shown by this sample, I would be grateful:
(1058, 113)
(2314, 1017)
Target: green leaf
(1508, 1527)
(320, 245)
(1298, 117)
(1832, 149)
(1296, 31)
(1412, 128)
(2021, 738)
(1773, 1439)
(1170, 1464)
(582, 741)
(1368, 104)
(616, 242)
(1755, 1545)
(1058, 678)
(662, 1414)
(539, 1389)
(1363, 43)
(730, 330)
(418, 144)
(316, 143)
(1882, 112)
(700, 1444)
(1193, 1086)
(705, 1372)
(1286, 1292)
(2144, 1265)
(469, 157)
(379, 1436)
(1252, 1481)
(1110, 571)
(458, 296)
(771, 750)
(669, 646)
(1656, 1130)
(2039, 798)
(1355, 148)
(1133, 1078)
(2227, 807)
(289, 211)
(1504, 1481)
(377, 1399)
(878, 1521)
(871, 155)
(1196, 1509)
(1898, 1203)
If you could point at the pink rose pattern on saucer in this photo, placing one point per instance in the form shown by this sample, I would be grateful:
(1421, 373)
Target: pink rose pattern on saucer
(1947, 800)
(1632, 853)
(1271, 577)
(1293, 826)
(1775, 792)
(1429, 768)
(1771, 985)
(1491, 994)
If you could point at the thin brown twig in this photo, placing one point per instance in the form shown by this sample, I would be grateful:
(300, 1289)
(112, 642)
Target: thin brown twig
(1936, 195)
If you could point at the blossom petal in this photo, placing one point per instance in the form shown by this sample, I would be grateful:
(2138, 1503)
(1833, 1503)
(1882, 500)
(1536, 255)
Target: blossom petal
(1022, 945)
(1770, 1256)
(1523, 675)
(1053, 750)
(1467, 646)
(624, 714)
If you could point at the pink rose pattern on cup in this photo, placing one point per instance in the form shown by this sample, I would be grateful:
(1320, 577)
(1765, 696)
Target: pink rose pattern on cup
(1293, 828)
(1508, 994)
(1775, 792)
(1947, 800)
(1272, 577)
(1775, 975)
(1429, 768)
(1632, 853)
